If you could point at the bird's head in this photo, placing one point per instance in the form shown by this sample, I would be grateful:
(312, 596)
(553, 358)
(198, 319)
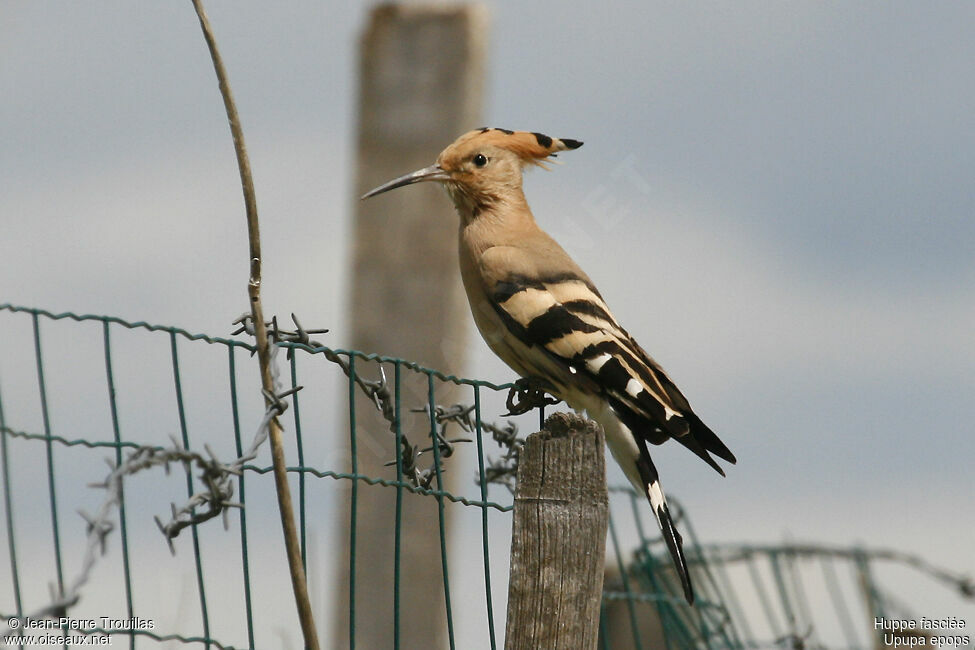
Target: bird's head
(483, 167)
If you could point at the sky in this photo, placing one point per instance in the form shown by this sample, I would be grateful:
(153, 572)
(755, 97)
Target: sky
(776, 199)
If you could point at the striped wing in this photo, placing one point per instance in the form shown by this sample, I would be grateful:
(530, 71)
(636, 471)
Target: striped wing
(565, 318)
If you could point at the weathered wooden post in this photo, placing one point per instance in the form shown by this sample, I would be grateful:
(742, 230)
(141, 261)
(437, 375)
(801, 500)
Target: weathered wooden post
(558, 538)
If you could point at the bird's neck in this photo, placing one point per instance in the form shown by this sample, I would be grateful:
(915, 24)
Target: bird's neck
(506, 206)
(505, 221)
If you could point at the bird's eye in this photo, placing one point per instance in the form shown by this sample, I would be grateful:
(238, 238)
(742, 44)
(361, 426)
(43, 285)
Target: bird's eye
(480, 160)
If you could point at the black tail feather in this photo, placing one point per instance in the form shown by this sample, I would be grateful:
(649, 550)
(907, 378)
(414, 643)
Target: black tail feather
(699, 438)
(694, 445)
(708, 439)
(651, 480)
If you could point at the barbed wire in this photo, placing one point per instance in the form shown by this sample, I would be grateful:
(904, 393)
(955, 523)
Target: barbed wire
(523, 396)
(216, 496)
(731, 553)
(376, 390)
(410, 454)
(217, 477)
(502, 470)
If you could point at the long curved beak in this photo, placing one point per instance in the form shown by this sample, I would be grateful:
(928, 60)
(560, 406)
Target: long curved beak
(432, 173)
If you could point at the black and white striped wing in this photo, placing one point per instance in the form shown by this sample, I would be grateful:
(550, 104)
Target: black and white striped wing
(565, 318)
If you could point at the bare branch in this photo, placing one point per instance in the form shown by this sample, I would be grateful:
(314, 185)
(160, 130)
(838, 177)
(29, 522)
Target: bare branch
(285, 508)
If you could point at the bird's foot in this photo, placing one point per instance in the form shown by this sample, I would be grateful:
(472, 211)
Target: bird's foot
(528, 394)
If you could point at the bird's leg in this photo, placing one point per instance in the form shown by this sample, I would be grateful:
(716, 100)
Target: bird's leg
(528, 394)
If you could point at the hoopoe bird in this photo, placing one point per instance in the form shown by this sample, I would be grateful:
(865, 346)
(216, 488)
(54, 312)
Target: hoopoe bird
(543, 316)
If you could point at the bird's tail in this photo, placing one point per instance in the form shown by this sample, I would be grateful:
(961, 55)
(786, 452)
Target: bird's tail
(655, 494)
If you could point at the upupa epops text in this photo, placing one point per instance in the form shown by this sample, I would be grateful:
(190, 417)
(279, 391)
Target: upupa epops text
(543, 316)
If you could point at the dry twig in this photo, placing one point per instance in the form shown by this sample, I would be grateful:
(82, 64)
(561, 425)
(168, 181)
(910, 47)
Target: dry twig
(285, 508)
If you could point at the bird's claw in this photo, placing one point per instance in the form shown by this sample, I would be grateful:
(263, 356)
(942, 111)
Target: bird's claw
(527, 394)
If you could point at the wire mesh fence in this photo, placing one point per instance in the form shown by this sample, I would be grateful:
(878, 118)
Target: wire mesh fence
(415, 467)
(79, 390)
(791, 595)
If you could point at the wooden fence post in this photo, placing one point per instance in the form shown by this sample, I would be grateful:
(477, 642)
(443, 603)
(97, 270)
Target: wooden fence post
(558, 538)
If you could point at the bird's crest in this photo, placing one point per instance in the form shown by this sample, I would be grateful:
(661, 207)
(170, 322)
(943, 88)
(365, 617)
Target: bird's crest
(459, 166)
(532, 148)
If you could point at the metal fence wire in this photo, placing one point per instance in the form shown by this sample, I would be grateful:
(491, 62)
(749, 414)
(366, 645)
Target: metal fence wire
(188, 404)
(212, 487)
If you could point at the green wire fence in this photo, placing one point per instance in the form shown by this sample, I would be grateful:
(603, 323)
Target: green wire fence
(800, 596)
(231, 586)
(52, 439)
